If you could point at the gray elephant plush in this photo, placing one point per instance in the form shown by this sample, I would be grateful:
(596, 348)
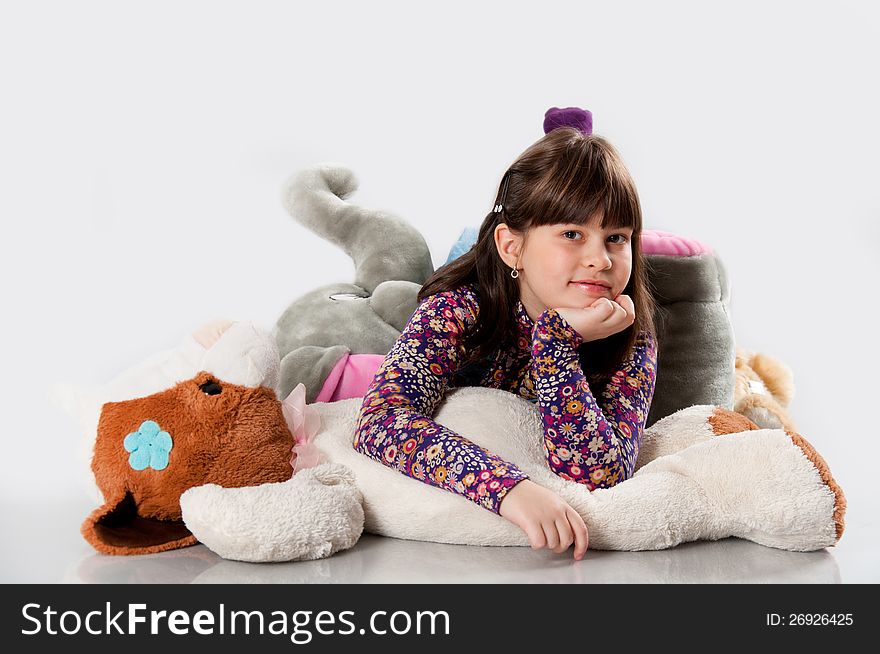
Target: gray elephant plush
(392, 261)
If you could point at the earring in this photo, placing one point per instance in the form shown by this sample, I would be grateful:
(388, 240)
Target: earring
(514, 273)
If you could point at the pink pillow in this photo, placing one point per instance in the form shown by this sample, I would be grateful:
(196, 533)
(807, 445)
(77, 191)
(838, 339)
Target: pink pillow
(655, 241)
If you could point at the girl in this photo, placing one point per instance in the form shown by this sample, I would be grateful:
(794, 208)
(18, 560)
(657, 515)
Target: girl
(551, 304)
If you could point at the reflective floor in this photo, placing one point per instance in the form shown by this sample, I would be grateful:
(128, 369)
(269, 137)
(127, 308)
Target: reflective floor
(42, 544)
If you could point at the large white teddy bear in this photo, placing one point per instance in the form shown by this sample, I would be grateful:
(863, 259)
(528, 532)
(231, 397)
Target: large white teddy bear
(703, 473)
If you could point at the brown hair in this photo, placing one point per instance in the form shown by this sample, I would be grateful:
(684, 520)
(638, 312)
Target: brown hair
(564, 177)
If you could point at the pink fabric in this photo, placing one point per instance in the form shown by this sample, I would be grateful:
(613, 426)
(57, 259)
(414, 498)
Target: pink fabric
(350, 377)
(655, 241)
(304, 422)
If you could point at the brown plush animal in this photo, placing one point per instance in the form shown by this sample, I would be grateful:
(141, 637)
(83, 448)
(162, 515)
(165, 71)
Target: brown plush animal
(151, 449)
(763, 390)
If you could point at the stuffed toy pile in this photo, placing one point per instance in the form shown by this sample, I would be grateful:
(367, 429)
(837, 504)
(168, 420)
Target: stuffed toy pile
(241, 439)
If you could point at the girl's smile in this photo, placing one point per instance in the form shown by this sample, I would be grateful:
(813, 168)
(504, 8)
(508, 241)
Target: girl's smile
(592, 289)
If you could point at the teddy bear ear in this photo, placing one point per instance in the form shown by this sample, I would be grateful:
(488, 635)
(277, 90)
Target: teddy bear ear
(244, 354)
(743, 357)
(116, 528)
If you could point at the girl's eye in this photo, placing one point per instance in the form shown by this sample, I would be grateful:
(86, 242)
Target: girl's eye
(616, 239)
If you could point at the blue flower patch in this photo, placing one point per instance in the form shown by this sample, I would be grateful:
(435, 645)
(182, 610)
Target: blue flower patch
(149, 447)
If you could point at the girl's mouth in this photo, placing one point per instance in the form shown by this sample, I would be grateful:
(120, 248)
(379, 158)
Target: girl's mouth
(594, 289)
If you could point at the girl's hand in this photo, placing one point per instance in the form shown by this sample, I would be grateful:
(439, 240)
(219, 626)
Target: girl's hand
(601, 319)
(546, 518)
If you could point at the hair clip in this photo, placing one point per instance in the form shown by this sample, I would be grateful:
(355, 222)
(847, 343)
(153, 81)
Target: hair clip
(498, 207)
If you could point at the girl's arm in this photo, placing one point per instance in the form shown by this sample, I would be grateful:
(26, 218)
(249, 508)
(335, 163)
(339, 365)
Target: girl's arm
(395, 425)
(595, 443)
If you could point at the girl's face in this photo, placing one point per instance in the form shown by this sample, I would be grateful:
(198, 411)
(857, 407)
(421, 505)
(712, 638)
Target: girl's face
(552, 259)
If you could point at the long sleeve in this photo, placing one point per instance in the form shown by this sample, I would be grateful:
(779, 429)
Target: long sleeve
(593, 442)
(395, 424)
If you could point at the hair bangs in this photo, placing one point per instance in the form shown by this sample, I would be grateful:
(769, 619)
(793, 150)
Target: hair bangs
(578, 188)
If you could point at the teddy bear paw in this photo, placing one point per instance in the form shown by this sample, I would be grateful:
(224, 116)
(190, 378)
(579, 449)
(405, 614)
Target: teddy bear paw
(312, 515)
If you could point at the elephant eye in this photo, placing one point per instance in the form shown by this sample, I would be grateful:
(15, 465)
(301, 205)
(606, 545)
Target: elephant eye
(346, 297)
(211, 387)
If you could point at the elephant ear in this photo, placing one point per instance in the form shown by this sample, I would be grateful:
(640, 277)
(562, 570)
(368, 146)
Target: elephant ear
(395, 302)
(116, 528)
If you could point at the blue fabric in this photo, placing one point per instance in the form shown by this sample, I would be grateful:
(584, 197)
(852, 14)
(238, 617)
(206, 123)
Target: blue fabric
(464, 243)
(149, 447)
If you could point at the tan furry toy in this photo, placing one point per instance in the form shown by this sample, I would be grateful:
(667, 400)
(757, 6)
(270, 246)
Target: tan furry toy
(764, 387)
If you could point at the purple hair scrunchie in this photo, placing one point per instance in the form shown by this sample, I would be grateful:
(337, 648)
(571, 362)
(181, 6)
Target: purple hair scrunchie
(580, 119)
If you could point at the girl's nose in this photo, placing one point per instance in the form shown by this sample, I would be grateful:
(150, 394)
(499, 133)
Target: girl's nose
(597, 257)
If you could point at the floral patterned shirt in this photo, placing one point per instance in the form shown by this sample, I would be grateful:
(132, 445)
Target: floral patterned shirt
(589, 440)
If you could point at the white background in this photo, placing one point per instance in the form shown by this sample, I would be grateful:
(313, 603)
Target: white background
(143, 147)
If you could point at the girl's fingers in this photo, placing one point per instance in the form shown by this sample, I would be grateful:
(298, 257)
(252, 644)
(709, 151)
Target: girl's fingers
(579, 530)
(616, 315)
(626, 302)
(624, 314)
(536, 537)
(565, 534)
(551, 535)
(604, 307)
